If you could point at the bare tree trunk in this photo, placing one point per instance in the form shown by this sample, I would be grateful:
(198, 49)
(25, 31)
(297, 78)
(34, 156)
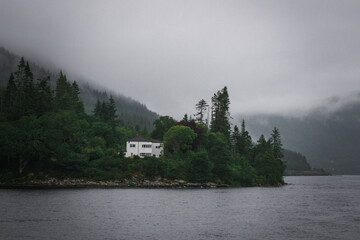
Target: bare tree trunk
(22, 164)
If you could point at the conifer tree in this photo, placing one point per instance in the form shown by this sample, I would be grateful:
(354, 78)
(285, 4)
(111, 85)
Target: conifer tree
(64, 94)
(235, 139)
(97, 110)
(268, 167)
(29, 91)
(111, 109)
(245, 141)
(161, 126)
(19, 78)
(20, 74)
(44, 96)
(23, 102)
(220, 113)
(106, 111)
(111, 112)
(201, 108)
(75, 91)
(10, 96)
(276, 144)
(79, 105)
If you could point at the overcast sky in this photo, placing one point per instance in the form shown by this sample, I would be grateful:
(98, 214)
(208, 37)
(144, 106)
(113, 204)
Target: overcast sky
(278, 56)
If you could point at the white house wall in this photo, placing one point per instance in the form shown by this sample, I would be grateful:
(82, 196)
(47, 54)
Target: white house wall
(157, 151)
(139, 149)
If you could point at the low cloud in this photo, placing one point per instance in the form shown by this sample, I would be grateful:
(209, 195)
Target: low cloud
(283, 57)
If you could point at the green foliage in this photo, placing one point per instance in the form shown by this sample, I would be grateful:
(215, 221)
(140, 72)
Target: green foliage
(161, 126)
(179, 138)
(269, 167)
(67, 95)
(241, 142)
(103, 130)
(44, 96)
(49, 133)
(220, 113)
(220, 155)
(10, 98)
(200, 167)
(106, 112)
(276, 144)
(199, 129)
(174, 166)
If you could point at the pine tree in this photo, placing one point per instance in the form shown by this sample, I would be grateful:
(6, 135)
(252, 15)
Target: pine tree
(75, 91)
(276, 144)
(20, 74)
(64, 94)
(262, 145)
(235, 140)
(77, 103)
(29, 91)
(97, 110)
(44, 96)
(106, 111)
(201, 108)
(111, 112)
(20, 79)
(268, 166)
(220, 113)
(10, 96)
(245, 142)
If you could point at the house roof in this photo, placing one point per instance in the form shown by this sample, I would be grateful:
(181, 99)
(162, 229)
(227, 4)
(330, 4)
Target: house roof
(142, 139)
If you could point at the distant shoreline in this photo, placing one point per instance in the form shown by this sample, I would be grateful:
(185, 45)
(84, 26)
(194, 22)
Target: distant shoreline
(319, 172)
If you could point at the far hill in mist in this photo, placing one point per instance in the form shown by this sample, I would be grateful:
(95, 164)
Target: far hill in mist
(329, 140)
(295, 161)
(128, 110)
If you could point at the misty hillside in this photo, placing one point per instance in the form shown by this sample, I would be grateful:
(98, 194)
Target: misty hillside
(128, 110)
(328, 140)
(295, 161)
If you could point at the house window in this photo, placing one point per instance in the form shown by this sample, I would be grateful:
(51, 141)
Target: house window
(146, 146)
(132, 145)
(145, 154)
(157, 147)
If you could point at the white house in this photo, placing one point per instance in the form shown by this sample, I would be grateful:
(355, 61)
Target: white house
(142, 147)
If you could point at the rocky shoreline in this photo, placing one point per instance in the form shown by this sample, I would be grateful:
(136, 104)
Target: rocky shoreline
(126, 183)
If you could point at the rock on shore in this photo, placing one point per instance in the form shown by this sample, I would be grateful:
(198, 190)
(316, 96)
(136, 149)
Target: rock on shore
(126, 183)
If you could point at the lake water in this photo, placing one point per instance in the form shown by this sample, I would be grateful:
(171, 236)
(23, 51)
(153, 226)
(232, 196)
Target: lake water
(308, 208)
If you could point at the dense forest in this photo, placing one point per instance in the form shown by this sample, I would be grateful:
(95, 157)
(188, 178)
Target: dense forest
(128, 110)
(47, 132)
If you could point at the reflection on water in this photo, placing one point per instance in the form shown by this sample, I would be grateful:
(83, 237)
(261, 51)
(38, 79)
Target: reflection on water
(308, 208)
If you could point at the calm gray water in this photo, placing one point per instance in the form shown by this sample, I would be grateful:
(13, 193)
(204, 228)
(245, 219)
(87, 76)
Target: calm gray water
(307, 208)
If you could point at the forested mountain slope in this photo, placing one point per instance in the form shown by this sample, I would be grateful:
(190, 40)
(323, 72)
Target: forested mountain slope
(295, 161)
(329, 140)
(128, 110)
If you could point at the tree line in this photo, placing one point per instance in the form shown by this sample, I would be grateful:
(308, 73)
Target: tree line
(205, 148)
(47, 132)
